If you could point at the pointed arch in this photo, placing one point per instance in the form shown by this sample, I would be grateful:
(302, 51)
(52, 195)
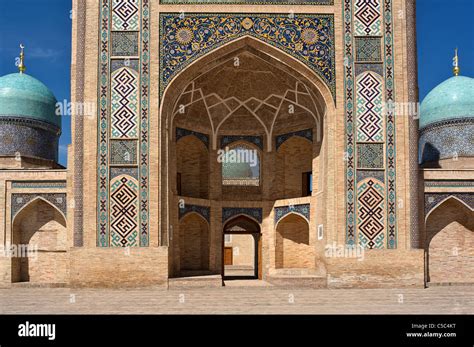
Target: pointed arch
(293, 248)
(293, 213)
(444, 201)
(34, 200)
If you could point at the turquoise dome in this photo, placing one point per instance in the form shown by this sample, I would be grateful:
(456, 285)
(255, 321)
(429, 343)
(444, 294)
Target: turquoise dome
(452, 99)
(24, 96)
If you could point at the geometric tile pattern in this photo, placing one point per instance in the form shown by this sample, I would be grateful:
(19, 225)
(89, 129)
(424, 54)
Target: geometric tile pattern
(390, 127)
(123, 152)
(349, 116)
(370, 156)
(307, 37)
(368, 49)
(369, 108)
(124, 43)
(20, 200)
(123, 108)
(125, 15)
(377, 68)
(124, 103)
(229, 212)
(282, 211)
(377, 174)
(450, 139)
(370, 217)
(39, 184)
(124, 212)
(367, 19)
(120, 171)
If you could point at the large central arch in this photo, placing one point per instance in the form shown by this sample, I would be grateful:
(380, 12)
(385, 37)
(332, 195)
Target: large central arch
(305, 83)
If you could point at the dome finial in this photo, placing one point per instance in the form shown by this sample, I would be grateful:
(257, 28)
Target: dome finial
(456, 69)
(21, 65)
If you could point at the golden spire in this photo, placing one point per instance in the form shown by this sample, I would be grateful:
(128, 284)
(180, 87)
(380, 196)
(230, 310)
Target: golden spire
(456, 69)
(21, 65)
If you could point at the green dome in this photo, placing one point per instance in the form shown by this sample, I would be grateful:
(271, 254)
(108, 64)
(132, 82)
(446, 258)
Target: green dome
(24, 96)
(452, 99)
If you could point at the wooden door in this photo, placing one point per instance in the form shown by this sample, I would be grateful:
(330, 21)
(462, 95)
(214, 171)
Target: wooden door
(228, 256)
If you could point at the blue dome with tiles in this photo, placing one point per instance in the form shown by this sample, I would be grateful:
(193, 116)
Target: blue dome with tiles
(452, 99)
(447, 123)
(29, 126)
(24, 96)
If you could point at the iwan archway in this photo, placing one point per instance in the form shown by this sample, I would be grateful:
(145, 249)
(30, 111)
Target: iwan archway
(251, 98)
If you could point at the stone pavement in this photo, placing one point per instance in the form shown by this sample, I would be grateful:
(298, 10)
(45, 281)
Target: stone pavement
(254, 299)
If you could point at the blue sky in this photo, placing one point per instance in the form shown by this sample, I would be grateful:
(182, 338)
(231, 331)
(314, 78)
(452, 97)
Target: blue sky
(44, 26)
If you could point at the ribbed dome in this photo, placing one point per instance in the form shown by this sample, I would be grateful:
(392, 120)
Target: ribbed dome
(24, 96)
(452, 99)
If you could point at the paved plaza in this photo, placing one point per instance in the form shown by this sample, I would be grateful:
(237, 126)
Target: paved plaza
(238, 299)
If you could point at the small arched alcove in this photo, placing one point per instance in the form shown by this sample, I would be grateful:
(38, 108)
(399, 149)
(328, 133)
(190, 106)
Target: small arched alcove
(40, 228)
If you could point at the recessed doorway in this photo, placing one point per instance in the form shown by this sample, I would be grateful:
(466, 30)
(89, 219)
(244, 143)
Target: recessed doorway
(241, 249)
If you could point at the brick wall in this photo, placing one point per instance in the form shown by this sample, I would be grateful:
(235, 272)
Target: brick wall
(194, 243)
(293, 248)
(193, 164)
(293, 158)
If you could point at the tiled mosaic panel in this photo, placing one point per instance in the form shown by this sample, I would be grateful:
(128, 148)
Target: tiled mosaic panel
(230, 212)
(124, 104)
(433, 200)
(28, 140)
(368, 49)
(369, 108)
(306, 134)
(390, 127)
(370, 213)
(360, 68)
(308, 38)
(282, 211)
(376, 174)
(367, 18)
(125, 15)
(204, 211)
(39, 184)
(180, 133)
(124, 44)
(133, 64)
(56, 199)
(447, 140)
(123, 152)
(226, 140)
(370, 155)
(124, 212)
(120, 171)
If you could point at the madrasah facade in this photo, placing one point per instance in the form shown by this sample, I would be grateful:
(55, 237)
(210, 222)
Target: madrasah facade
(239, 139)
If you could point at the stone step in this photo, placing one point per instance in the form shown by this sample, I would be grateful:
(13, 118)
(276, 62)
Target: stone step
(38, 285)
(209, 281)
(294, 282)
